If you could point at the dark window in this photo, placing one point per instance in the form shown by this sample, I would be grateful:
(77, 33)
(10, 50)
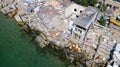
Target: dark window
(80, 11)
(77, 16)
(75, 9)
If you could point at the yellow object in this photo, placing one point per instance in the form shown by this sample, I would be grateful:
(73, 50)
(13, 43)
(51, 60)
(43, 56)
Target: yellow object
(115, 22)
(21, 23)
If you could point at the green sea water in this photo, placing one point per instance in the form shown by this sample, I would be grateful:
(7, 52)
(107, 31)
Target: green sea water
(17, 49)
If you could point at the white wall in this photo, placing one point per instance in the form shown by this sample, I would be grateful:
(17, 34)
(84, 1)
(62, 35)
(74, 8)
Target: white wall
(70, 10)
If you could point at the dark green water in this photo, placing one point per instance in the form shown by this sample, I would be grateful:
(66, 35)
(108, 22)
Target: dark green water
(17, 50)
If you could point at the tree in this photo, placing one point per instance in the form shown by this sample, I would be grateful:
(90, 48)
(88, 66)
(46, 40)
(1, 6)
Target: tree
(102, 21)
(86, 2)
(92, 2)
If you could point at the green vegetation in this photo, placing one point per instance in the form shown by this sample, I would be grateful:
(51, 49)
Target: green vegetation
(103, 7)
(102, 21)
(86, 2)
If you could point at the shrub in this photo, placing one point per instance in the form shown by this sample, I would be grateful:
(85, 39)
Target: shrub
(86, 2)
(102, 21)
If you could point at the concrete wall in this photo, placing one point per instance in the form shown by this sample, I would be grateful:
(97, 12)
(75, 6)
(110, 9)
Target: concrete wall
(113, 3)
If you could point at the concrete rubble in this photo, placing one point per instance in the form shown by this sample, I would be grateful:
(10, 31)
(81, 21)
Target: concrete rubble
(68, 25)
